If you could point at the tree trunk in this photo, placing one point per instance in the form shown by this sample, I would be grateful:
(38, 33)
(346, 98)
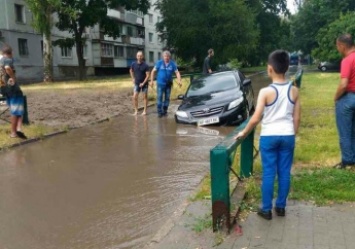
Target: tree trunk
(47, 59)
(81, 60)
(48, 53)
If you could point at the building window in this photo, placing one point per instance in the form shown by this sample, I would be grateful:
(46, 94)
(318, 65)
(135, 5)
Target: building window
(22, 47)
(150, 18)
(106, 50)
(151, 56)
(159, 55)
(129, 31)
(85, 51)
(159, 19)
(150, 37)
(131, 53)
(20, 13)
(118, 51)
(66, 52)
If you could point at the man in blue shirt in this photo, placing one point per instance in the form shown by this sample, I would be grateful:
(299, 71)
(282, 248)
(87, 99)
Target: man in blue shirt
(165, 69)
(140, 74)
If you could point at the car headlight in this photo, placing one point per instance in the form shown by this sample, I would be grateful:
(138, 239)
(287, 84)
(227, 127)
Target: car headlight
(181, 114)
(235, 103)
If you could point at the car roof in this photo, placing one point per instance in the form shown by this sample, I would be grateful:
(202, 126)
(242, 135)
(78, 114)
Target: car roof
(219, 73)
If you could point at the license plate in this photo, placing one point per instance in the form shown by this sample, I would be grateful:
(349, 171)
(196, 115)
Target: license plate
(208, 121)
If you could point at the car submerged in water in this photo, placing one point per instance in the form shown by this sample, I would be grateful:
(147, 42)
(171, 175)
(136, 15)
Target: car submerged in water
(225, 98)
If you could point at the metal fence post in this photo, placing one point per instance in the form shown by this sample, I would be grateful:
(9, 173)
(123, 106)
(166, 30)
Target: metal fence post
(219, 163)
(247, 157)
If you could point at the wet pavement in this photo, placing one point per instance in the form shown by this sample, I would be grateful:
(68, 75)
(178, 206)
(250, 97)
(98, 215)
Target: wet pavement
(111, 185)
(105, 186)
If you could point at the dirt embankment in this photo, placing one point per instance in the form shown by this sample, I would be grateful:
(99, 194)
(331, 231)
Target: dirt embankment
(76, 108)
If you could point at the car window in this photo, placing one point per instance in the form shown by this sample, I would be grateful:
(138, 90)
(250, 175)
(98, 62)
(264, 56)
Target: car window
(212, 84)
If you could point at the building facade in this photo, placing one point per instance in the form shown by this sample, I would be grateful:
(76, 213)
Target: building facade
(104, 55)
(153, 42)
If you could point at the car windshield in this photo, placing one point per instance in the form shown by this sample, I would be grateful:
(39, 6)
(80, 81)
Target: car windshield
(212, 84)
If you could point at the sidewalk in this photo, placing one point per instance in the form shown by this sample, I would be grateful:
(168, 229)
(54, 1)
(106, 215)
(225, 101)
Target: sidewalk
(304, 227)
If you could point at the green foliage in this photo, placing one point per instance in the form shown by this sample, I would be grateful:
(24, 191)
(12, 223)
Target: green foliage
(326, 37)
(192, 27)
(235, 63)
(41, 14)
(311, 17)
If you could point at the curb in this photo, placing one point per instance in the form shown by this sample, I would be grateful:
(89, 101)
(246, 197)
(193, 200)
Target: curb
(238, 195)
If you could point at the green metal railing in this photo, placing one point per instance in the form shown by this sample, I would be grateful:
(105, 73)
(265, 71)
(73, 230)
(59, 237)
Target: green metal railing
(221, 161)
(298, 78)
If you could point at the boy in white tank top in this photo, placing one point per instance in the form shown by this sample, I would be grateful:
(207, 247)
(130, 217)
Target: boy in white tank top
(278, 107)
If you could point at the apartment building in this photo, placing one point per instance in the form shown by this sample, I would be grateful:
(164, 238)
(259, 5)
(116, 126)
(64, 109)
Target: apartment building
(104, 55)
(154, 45)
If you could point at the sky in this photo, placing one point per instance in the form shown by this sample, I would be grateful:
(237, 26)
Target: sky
(290, 6)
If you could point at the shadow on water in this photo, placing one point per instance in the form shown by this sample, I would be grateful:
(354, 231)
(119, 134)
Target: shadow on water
(111, 185)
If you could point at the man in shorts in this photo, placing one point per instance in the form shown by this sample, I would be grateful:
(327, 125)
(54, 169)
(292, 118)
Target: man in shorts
(12, 92)
(140, 74)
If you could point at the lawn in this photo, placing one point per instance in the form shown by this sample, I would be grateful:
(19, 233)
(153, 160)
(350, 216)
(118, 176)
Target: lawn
(317, 149)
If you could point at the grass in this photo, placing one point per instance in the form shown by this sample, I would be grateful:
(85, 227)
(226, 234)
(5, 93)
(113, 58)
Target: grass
(249, 70)
(317, 149)
(119, 83)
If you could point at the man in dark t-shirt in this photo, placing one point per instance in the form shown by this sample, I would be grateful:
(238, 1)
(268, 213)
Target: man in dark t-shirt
(207, 62)
(140, 74)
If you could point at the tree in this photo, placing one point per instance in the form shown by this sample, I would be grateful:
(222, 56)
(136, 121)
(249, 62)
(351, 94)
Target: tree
(42, 22)
(314, 15)
(327, 36)
(192, 27)
(76, 15)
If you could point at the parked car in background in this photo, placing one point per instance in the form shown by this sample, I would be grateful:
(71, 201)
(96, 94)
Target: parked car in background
(219, 98)
(329, 66)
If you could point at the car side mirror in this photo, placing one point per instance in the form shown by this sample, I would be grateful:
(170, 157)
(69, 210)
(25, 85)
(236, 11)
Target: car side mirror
(181, 97)
(246, 82)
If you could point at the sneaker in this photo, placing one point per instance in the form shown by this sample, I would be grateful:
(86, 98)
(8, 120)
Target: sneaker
(342, 165)
(160, 115)
(267, 215)
(280, 211)
(20, 134)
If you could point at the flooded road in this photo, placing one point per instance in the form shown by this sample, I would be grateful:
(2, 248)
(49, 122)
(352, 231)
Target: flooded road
(111, 185)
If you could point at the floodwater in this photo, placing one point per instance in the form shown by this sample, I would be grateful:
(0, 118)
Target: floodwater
(111, 185)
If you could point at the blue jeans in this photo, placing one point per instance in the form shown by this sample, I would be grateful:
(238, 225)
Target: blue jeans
(276, 157)
(345, 118)
(163, 93)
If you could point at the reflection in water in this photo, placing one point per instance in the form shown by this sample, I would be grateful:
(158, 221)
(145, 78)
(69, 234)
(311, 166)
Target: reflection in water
(110, 185)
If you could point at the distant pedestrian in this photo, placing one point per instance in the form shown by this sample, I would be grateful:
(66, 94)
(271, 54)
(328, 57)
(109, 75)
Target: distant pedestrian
(207, 62)
(140, 74)
(165, 69)
(12, 91)
(345, 101)
(278, 107)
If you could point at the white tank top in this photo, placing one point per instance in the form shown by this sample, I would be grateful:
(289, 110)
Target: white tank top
(278, 116)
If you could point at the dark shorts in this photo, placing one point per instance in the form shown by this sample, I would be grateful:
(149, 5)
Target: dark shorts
(16, 105)
(138, 89)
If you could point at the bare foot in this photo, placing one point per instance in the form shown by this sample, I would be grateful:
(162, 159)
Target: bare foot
(135, 113)
(144, 113)
(13, 135)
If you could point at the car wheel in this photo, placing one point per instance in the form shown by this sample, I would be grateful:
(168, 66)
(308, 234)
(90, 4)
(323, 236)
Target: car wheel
(323, 69)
